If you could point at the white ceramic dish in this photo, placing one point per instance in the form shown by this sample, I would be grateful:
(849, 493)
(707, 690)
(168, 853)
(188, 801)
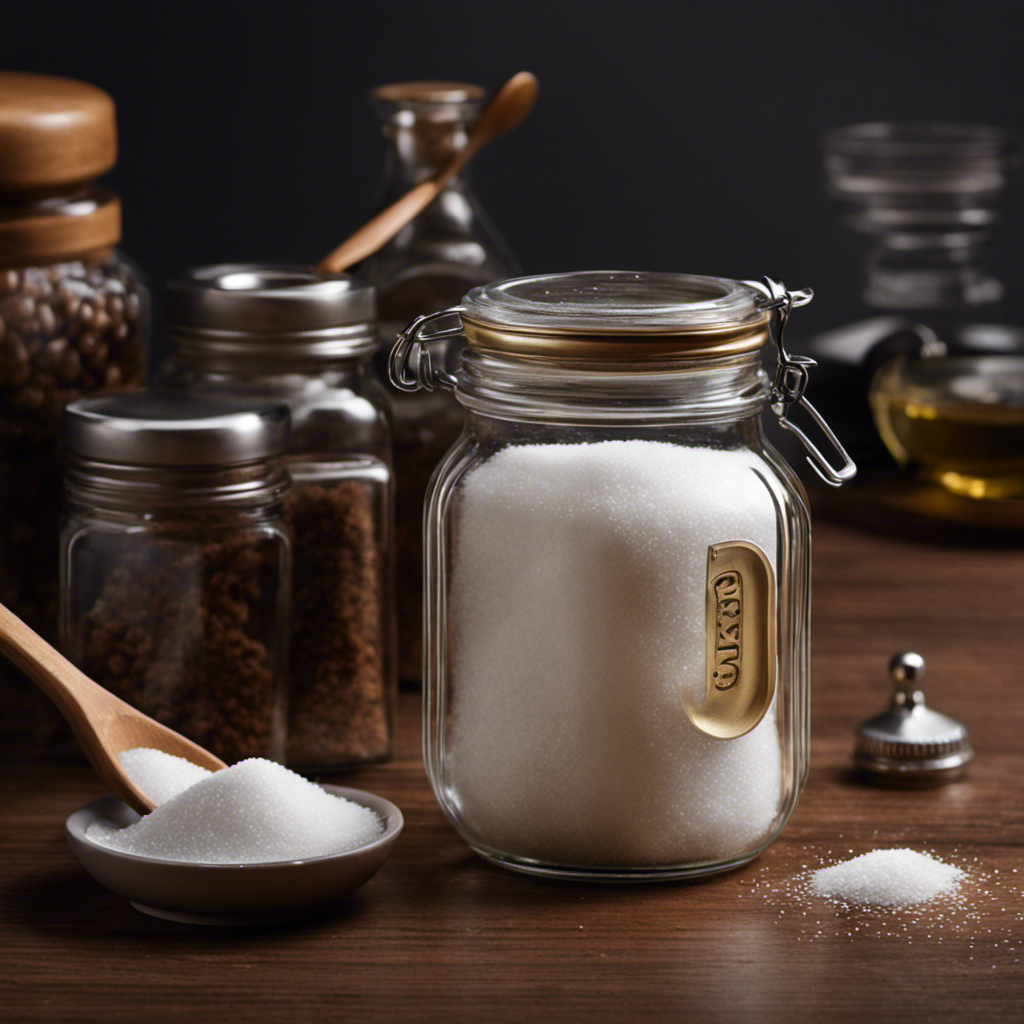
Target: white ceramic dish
(229, 894)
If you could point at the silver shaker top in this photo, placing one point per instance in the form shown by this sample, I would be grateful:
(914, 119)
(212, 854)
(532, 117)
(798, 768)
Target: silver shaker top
(911, 743)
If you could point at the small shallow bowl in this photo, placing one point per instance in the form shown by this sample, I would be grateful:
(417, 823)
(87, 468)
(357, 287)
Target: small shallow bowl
(230, 894)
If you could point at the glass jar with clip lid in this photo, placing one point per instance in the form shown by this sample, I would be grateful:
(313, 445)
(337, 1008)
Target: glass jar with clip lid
(617, 574)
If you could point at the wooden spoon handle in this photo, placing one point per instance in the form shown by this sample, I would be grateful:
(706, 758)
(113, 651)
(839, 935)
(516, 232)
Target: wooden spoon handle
(372, 235)
(69, 688)
(83, 703)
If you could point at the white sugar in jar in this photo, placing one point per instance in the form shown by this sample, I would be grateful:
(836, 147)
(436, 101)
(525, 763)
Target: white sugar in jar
(617, 577)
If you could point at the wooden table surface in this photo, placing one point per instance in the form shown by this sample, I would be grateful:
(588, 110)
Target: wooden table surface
(439, 935)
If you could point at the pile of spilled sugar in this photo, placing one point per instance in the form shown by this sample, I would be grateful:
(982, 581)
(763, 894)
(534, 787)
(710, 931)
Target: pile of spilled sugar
(254, 812)
(895, 878)
(902, 895)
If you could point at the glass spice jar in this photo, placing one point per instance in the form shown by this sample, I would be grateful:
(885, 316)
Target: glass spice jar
(175, 563)
(287, 334)
(618, 575)
(73, 319)
(448, 249)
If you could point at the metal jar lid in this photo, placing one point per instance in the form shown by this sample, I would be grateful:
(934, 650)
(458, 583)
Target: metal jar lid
(266, 310)
(599, 315)
(157, 429)
(912, 743)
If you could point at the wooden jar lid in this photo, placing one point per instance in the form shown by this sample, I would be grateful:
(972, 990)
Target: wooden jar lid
(53, 132)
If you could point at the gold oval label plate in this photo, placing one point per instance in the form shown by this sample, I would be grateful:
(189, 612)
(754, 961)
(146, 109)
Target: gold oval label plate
(741, 647)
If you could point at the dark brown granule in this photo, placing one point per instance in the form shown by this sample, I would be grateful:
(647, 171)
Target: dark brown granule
(66, 330)
(181, 631)
(339, 700)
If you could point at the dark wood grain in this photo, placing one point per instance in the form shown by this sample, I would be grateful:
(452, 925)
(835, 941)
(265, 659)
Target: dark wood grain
(439, 935)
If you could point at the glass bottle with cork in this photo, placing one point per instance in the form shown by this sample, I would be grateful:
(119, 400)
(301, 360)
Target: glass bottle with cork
(73, 321)
(446, 250)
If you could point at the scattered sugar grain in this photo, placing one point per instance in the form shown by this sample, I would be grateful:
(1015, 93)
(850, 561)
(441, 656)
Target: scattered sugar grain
(254, 812)
(160, 776)
(886, 878)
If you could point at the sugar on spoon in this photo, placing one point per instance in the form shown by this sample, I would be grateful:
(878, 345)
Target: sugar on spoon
(104, 724)
(504, 111)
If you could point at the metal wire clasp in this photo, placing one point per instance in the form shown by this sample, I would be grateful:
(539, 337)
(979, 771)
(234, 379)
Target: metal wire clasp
(410, 366)
(791, 376)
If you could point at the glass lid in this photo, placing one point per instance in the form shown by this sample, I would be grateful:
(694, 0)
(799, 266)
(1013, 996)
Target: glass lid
(614, 302)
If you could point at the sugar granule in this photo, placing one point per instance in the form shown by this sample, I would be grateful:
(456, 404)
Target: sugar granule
(254, 812)
(160, 776)
(886, 878)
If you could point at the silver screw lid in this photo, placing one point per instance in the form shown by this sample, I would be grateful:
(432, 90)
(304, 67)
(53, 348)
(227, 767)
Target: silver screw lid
(912, 743)
(153, 428)
(260, 309)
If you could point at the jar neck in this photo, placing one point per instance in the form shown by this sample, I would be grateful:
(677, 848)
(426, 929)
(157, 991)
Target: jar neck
(175, 491)
(419, 145)
(706, 390)
(282, 363)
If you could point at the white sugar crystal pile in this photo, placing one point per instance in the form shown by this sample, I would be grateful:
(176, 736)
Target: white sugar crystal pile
(160, 776)
(898, 878)
(253, 812)
(578, 623)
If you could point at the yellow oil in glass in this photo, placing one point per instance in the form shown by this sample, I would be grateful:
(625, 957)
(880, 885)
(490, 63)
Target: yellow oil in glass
(956, 421)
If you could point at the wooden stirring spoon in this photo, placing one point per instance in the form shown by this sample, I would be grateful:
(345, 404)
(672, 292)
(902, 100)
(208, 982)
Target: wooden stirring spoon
(104, 724)
(505, 110)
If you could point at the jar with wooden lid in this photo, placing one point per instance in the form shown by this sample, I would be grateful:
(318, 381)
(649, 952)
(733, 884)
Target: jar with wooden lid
(287, 334)
(73, 320)
(450, 247)
(618, 575)
(176, 562)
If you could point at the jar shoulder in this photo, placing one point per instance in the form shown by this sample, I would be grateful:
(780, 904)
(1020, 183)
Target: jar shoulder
(338, 413)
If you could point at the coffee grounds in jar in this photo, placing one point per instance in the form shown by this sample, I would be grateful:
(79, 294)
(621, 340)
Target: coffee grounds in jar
(173, 631)
(67, 329)
(339, 705)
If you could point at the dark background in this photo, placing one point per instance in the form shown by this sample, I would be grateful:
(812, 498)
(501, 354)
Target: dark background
(671, 136)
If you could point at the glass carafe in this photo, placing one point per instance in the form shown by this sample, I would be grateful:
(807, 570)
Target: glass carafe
(448, 249)
(929, 197)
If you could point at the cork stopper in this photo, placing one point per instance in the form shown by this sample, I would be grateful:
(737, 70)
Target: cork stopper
(54, 132)
(429, 92)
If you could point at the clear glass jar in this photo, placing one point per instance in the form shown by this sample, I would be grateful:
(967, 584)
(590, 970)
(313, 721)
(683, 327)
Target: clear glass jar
(448, 249)
(286, 334)
(175, 563)
(73, 321)
(617, 580)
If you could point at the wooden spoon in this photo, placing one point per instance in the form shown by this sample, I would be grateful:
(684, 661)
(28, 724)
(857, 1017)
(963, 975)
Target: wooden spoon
(104, 724)
(506, 109)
